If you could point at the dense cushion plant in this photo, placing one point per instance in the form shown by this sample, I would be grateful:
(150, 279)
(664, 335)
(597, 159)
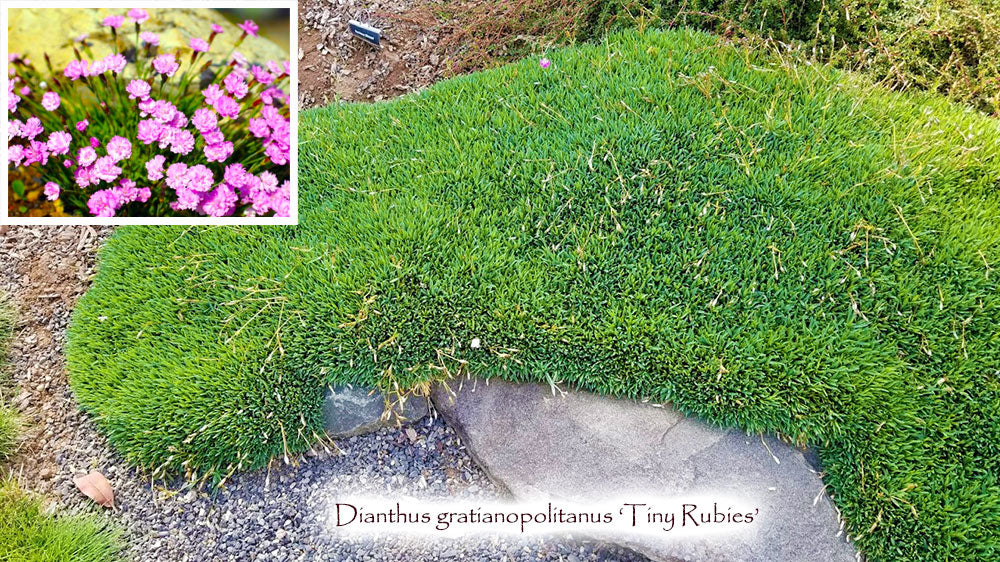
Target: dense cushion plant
(783, 249)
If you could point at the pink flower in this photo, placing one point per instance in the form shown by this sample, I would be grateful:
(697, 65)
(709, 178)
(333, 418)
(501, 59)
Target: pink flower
(249, 28)
(214, 136)
(138, 89)
(276, 153)
(227, 107)
(167, 136)
(115, 63)
(15, 153)
(127, 192)
(187, 200)
(25, 91)
(67, 163)
(544, 63)
(199, 178)
(261, 75)
(147, 106)
(216, 28)
(149, 131)
(75, 69)
(86, 156)
(82, 176)
(164, 111)
(82, 125)
(182, 141)
(212, 94)
(50, 101)
(180, 120)
(198, 45)
(97, 67)
(268, 182)
(235, 85)
(154, 167)
(166, 64)
(220, 202)
(52, 191)
(36, 152)
(258, 127)
(138, 15)
(269, 95)
(104, 203)
(235, 175)
(149, 38)
(218, 152)
(113, 22)
(238, 58)
(275, 68)
(94, 143)
(14, 129)
(204, 119)
(31, 128)
(105, 170)
(59, 142)
(119, 148)
(177, 176)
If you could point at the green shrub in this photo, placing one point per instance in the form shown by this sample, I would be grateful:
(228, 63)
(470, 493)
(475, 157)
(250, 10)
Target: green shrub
(29, 534)
(778, 248)
(947, 46)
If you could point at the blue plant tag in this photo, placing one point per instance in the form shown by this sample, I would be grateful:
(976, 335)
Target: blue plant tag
(365, 32)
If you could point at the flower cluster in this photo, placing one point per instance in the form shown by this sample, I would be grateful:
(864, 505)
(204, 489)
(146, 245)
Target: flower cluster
(148, 132)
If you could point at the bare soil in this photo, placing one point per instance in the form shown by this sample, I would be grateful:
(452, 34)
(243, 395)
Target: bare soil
(336, 66)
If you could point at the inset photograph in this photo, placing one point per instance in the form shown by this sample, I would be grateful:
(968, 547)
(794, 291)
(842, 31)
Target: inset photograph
(148, 116)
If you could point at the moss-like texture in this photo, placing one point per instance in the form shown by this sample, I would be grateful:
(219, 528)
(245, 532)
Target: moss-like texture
(777, 248)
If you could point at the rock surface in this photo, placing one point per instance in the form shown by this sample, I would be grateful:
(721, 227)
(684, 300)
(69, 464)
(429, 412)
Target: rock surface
(350, 410)
(581, 447)
(34, 31)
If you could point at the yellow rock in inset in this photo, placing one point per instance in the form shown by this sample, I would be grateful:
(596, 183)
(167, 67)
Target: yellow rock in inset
(36, 31)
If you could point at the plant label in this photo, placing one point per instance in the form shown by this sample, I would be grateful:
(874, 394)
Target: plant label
(365, 32)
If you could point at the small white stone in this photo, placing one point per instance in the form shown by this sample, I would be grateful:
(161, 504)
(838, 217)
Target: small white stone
(475, 343)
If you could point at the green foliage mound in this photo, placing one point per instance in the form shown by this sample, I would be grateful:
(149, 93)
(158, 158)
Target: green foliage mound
(779, 248)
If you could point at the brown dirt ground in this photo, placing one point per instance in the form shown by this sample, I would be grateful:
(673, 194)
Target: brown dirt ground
(334, 65)
(45, 270)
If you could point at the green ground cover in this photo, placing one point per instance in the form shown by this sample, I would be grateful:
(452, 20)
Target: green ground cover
(10, 424)
(29, 534)
(779, 248)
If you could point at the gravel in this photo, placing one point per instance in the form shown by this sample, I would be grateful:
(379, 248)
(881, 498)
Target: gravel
(276, 514)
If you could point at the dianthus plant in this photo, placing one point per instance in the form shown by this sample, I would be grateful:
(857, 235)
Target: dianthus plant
(149, 132)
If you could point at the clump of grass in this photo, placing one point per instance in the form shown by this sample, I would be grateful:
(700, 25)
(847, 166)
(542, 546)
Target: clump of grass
(774, 247)
(10, 425)
(29, 534)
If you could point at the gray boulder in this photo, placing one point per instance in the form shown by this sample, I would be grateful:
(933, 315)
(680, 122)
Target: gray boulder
(350, 410)
(580, 447)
